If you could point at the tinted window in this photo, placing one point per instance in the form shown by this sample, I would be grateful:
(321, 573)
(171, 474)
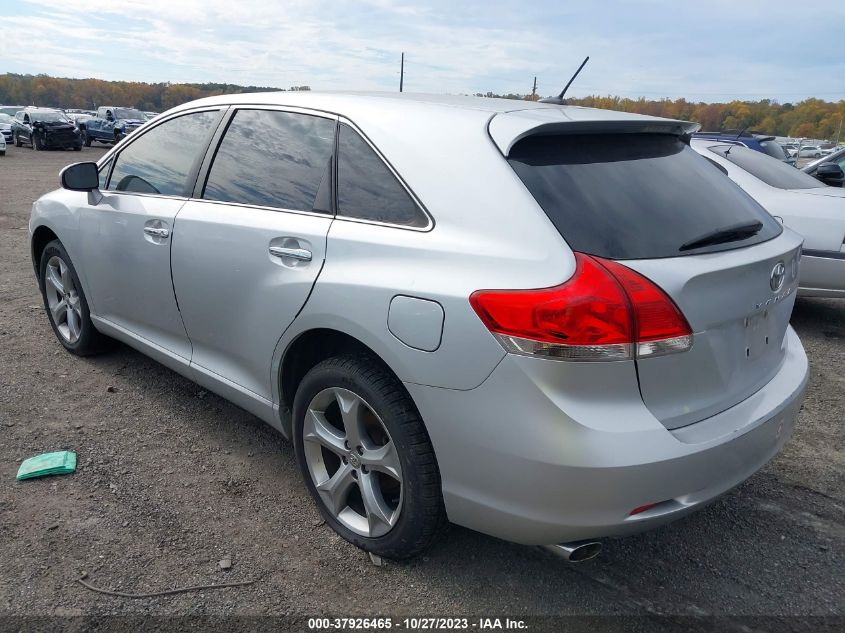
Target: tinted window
(367, 189)
(633, 196)
(272, 159)
(160, 160)
(772, 172)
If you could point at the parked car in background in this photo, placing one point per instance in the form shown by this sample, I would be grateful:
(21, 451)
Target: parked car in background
(6, 127)
(11, 110)
(111, 124)
(752, 140)
(45, 128)
(828, 149)
(810, 151)
(826, 175)
(593, 343)
(807, 206)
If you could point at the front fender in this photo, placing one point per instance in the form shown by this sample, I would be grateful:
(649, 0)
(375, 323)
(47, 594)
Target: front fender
(55, 211)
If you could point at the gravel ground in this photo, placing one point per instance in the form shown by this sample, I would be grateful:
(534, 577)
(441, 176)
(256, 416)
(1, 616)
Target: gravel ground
(172, 479)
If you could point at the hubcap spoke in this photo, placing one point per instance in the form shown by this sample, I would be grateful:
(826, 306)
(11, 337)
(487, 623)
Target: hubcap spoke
(317, 429)
(384, 459)
(335, 489)
(350, 411)
(54, 280)
(67, 282)
(378, 512)
(73, 322)
(59, 311)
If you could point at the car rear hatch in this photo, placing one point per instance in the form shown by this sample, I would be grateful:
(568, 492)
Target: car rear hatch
(641, 197)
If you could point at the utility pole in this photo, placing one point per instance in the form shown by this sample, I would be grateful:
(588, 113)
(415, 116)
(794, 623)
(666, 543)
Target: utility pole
(534, 89)
(402, 73)
(839, 133)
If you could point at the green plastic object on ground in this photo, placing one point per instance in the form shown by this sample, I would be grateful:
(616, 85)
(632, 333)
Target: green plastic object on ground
(58, 463)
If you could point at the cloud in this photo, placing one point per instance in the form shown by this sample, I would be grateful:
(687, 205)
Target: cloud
(711, 51)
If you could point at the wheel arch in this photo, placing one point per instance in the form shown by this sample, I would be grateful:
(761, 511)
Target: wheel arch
(41, 236)
(306, 350)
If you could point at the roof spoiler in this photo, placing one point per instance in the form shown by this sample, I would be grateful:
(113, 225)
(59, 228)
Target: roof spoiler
(506, 131)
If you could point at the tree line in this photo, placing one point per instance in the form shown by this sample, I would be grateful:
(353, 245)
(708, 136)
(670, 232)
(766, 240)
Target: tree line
(811, 118)
(88, 94)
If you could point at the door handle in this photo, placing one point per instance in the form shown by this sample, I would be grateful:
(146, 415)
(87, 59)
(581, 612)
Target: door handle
(157, 232)
(296, 253)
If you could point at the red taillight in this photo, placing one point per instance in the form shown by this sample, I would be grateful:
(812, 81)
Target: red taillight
(605, 311)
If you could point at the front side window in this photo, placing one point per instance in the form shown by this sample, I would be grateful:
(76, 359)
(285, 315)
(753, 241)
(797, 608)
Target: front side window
(104, 174)
(367, 189)
(160, 161)
(773, 172)
(270, 158)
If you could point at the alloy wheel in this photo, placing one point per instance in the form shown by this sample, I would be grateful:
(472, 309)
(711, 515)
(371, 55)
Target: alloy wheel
(63, 299)
(353, 462)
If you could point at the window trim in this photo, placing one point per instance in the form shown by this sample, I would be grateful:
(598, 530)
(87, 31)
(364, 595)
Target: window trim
(217, 139)
(114, 154)
(420, 229)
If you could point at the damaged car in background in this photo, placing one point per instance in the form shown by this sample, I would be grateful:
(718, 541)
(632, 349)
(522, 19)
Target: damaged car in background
(45, 128)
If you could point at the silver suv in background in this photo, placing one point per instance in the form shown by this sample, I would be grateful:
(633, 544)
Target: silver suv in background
(545, 323)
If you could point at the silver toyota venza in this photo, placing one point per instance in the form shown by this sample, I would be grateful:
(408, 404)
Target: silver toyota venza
(545, 323)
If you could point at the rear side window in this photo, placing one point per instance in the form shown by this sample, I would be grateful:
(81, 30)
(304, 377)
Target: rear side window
(772, 172)
(160, 160)
(634, 196)
(367, 189)
(272, 159)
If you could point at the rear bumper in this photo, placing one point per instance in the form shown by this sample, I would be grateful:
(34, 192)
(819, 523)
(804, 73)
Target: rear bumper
(822, 275)
(541, 453)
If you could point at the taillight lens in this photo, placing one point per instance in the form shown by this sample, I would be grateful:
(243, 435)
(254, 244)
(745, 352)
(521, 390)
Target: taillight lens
(605, 311)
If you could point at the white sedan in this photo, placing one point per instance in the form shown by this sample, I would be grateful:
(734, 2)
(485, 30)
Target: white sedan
(810, 151)
(802, 203)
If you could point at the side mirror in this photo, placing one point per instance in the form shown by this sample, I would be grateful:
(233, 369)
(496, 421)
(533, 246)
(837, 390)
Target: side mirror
(830, 174)
(81, 177)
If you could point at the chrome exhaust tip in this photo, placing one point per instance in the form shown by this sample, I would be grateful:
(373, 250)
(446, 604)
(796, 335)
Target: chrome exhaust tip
(576, 551)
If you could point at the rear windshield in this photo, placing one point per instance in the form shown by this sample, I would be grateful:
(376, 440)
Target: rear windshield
(772, 172)
(634, 196)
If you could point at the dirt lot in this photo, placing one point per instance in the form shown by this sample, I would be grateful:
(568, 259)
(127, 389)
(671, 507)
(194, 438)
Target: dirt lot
(171, 479)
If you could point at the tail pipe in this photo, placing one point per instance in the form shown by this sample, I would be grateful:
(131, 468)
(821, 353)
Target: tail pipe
(576, 551)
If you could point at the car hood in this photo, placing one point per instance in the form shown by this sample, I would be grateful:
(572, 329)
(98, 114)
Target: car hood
(5, 126)
(131, 121)
(830, 192)
(54, 125)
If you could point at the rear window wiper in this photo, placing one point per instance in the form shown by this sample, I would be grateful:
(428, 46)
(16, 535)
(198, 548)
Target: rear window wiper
(733, 233)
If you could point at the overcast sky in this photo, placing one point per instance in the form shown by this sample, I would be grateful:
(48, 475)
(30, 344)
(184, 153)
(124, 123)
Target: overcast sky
(708, 50)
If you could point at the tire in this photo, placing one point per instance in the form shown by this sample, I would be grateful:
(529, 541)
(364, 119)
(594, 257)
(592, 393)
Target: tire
(409, 502)
(77, 148)
(86, 140)
(117, 136)
(77, 334)
(36, 142)
(18, 142)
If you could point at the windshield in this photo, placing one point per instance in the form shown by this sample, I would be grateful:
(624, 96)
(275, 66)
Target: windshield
(772, 172)
(48, 116)
(129, 113)
(5, 118)
(636, 196)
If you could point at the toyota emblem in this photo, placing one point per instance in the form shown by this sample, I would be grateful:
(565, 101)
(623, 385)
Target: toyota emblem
(778, 274)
